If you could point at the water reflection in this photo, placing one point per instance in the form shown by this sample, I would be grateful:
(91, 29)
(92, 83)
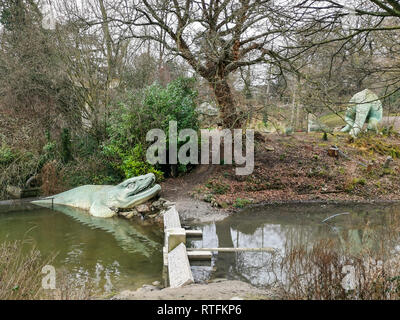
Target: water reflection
(364, 228)
(128, 235)
(126, 256)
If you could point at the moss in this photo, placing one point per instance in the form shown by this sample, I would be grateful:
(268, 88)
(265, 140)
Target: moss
(372, 144)
(351, 185)
(360, 181)
(241, 203)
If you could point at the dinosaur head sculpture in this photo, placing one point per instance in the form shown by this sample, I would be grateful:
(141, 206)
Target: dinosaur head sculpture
(132, 192)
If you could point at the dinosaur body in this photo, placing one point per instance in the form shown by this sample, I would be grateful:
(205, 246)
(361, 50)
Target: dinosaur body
(104, 201)
(364, 107)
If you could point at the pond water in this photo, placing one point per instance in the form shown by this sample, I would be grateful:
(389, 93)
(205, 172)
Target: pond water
(356, 227)
(119, 254)
(114, 253)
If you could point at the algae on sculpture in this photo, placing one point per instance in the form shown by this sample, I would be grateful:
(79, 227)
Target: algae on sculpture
(364, 107)
(104, 201)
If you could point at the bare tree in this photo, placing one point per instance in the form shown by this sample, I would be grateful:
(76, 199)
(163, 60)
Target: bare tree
(93, 57)
(353, 27)
(215, 38)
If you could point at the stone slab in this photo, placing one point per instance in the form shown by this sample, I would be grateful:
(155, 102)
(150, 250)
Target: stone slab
(199, 255)
(179, 272)
(174, 237)
(171, 219)
(165, 256)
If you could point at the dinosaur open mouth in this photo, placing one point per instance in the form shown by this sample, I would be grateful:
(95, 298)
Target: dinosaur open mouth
(142, 190)
(137, 191)
(145, 194)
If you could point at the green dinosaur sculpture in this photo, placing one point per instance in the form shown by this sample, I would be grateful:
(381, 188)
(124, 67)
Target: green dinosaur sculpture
(364, 107)
(104, 201)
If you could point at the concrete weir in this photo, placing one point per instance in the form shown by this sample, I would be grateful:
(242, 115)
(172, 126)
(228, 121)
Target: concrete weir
(175, 256)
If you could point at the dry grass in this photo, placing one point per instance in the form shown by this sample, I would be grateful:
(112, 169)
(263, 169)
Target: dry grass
(317, 273)
(21, 276)
(20, 272)
(52, 179)
(68, 288)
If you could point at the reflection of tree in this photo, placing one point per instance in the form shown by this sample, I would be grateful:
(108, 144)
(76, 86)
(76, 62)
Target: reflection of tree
(225, 261)
(366, 229)
(255, 267)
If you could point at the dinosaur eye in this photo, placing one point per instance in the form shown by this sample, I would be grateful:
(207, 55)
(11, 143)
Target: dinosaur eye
(130, 186)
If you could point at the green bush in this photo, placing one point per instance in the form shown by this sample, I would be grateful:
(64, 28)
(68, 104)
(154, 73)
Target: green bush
(7, 156)
(132, 165)
(66, 145)
(153, 108)
(16, 167)
(241, 203)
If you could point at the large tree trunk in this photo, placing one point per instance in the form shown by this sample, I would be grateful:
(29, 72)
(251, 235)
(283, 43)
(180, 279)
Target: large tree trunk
(226, 104)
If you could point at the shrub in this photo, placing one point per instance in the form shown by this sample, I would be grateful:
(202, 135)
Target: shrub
(7, 156)
(20, 271)
(21, 275)
(16, 168)
(241, 203)
(66, 145)
(153, 108)
(318, 273)
(133, 166)
(52, 177)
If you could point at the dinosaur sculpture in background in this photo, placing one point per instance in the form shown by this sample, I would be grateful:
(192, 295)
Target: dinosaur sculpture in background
(364, 107)
(104, 201)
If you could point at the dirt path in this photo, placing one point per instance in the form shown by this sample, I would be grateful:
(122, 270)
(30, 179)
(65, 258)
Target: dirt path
(223, 290)
(178, 190)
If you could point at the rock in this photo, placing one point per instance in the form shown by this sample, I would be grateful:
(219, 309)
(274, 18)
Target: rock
(158, 204)
(143, 208)
(14, 192)
(123, 213)
(389, 159)
(18, 193)
(156, 283)
(123, 295)
(147, 287)
(169, 204)
(130, 215)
